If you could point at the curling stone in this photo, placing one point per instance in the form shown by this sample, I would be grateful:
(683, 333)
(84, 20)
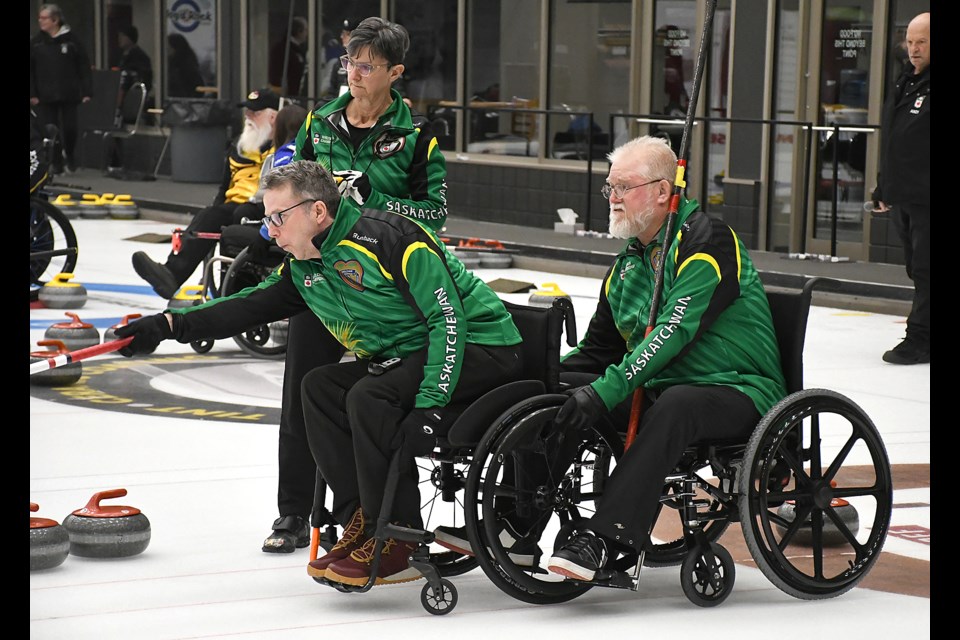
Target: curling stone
(94, 206)
(61, 376)
(544, 297)
(832, 536)
(49, 542)
(110, 333)
(60, 293)
(67, 205)
(494, 260)
(112, 531)
(122, 207)
(75, 334)
(188, 296)
(470, 259)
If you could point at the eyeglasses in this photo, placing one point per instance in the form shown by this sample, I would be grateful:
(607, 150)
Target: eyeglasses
(621, 190)
(276, 219)
(364, 68)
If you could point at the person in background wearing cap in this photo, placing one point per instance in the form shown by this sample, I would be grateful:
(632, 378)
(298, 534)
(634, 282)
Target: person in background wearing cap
(338, 75)
(241, 178)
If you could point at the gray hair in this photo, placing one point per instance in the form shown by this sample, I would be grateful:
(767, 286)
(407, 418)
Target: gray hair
(651, 156)
(56, 13)
(387, 39)
(308, 180)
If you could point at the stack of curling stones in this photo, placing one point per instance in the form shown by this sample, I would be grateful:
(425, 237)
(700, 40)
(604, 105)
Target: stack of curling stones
(49, 542)
(60, 293)
(75, 334)
(111, 531)
(544, 296)
(279, 331)
(491, 254)
(832, 536)
(63, 375)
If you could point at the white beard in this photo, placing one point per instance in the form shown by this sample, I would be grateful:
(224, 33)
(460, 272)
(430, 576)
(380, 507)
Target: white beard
(253, 138)
(625, 226)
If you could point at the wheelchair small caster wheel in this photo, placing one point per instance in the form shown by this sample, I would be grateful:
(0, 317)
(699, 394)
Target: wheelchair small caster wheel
(202, 346)
(441, 600)
(707, 582)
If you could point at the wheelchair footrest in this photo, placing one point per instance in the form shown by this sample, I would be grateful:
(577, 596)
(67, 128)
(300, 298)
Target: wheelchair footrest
(408, 534)
(614, 579)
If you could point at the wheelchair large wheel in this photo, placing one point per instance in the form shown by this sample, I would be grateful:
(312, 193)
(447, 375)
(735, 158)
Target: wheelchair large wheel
(266, 341)
(544, 483)
(834, 454)
(50, 232)
(441, 492)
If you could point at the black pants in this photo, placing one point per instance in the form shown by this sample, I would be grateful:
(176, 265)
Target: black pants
(208, 220)
(309, 345)
(912, 222)
(677, 417)
(64, 116)
(352, 425)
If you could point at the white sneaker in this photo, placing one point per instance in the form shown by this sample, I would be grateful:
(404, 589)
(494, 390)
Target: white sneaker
(522, 552)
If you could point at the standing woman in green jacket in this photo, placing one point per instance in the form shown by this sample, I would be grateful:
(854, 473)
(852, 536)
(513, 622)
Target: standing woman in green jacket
(386, 159)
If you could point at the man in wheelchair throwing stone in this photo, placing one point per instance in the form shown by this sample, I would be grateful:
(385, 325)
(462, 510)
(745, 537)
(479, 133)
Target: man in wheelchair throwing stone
(709, 368)
(426, 333)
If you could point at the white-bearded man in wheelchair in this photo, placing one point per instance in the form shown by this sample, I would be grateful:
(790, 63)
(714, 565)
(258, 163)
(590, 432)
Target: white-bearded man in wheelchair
(709, 366)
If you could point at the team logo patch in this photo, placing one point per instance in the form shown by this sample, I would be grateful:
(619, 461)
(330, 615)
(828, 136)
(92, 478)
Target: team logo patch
(351, 272)
(655, 255)
(386, 145)
(919, 102)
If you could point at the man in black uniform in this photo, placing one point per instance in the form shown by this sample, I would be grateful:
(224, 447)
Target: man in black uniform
(903, 185)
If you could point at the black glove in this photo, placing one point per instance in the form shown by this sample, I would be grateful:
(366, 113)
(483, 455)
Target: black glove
(583, 408)
(353, 184)
(147, 334)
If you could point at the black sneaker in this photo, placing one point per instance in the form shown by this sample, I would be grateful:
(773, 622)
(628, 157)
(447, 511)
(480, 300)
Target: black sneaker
(907, 352)
(289, 533)
(523, 552)
(159, 277)
(580, 558)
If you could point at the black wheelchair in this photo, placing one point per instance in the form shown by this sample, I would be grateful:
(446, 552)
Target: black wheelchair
(230, 267)
(443, 470)
(811, 489)
(53, 241)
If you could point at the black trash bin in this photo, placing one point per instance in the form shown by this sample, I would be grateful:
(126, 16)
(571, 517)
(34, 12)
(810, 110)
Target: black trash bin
(198, 138)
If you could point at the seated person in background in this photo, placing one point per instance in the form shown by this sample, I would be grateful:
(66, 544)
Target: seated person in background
(237, 236)
(240, 179)
(710, 367)
(385, 287)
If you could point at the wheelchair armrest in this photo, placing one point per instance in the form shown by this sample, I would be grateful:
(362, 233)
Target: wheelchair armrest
(477, 418)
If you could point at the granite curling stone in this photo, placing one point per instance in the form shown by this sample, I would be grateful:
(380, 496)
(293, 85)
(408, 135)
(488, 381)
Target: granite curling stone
(60, 293)
(49, 542)
(61, 376)
(75, 334)
(832, 536)
(112, 531)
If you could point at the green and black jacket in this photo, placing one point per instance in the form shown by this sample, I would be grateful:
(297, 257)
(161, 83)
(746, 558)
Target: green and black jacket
(713, 325)
(384, 286)
(400, 156)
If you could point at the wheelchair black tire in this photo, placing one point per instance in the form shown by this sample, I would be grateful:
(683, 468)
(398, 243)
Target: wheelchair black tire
(50, 230)
(707, 583)
(265, 341)
(527, 419)
(816, 570)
